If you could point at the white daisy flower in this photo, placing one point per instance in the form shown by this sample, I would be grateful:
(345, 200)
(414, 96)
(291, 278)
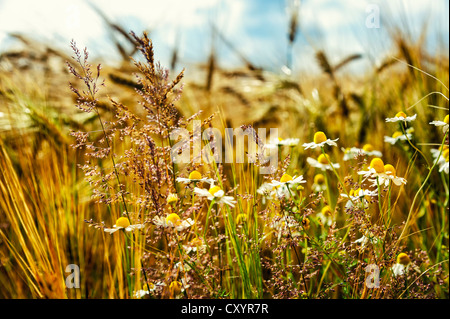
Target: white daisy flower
(286, 180)
(397, 136)
(267, 191)
(123, 223)
(173, 221)
(360, 194)
(287, 142)
(322, 162)
(196, 244)
(326, 216)
(401, 116)
(353, 152)
(320, 139)
(319, 184)
(217, 194)
(444, 123)
(444, 167)
(376, 169)
(388, 176)
(364, 240)
(142, 293)
(194, 177)
(402, 265)
(283, 224)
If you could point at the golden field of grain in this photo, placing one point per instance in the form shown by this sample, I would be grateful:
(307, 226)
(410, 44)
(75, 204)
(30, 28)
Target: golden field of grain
(93, 204)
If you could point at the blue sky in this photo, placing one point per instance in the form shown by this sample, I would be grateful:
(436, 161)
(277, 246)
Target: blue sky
(257, 28)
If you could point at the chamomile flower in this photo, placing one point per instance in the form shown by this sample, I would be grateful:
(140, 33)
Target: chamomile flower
(390, 175)
(267, 191)
(359, 195)
(401, 116)
(402, 265)
(444, 123)
(322, 162)
(367, 150)
(397, 136)
(284, 225)
(441, 158)
(123, 223)
(325, 216)
(140, 293)
(173, 221)
(367, 238)
(320, 139)
(194, 177)
(287, 180)
(443, 162)
(196, 244)
(319, 184)
(376, 169)
(270, 192)
(172, 198)
(215, 193)
(284, 142)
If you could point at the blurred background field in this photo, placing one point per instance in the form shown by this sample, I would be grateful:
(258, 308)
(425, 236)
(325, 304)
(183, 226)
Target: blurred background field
(300, 70)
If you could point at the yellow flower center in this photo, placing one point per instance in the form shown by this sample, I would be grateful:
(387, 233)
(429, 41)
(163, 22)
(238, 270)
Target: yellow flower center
(400, 114)
(300, 188)
(319, 179)
(196, 242)
(319, 137)
(352, 192)
(174, 219)
(326, 211)
(323, 159)
(389, 169)
(172, 198)
(195, 175)
(280, 139)
(123, 222)
(285, 178)
(446, 119)
(377, 164)
(214, 190)
(445, 153)
(175, 288)
(403, 259)
(368, 147)
(397, 134)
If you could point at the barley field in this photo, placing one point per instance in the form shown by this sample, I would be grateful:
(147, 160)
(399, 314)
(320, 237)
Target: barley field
(347, 199)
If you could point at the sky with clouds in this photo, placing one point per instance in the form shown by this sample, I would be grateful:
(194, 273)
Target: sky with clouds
(256, 28)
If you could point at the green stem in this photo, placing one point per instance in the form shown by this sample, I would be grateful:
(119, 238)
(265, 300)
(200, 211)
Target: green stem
(420, 189)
